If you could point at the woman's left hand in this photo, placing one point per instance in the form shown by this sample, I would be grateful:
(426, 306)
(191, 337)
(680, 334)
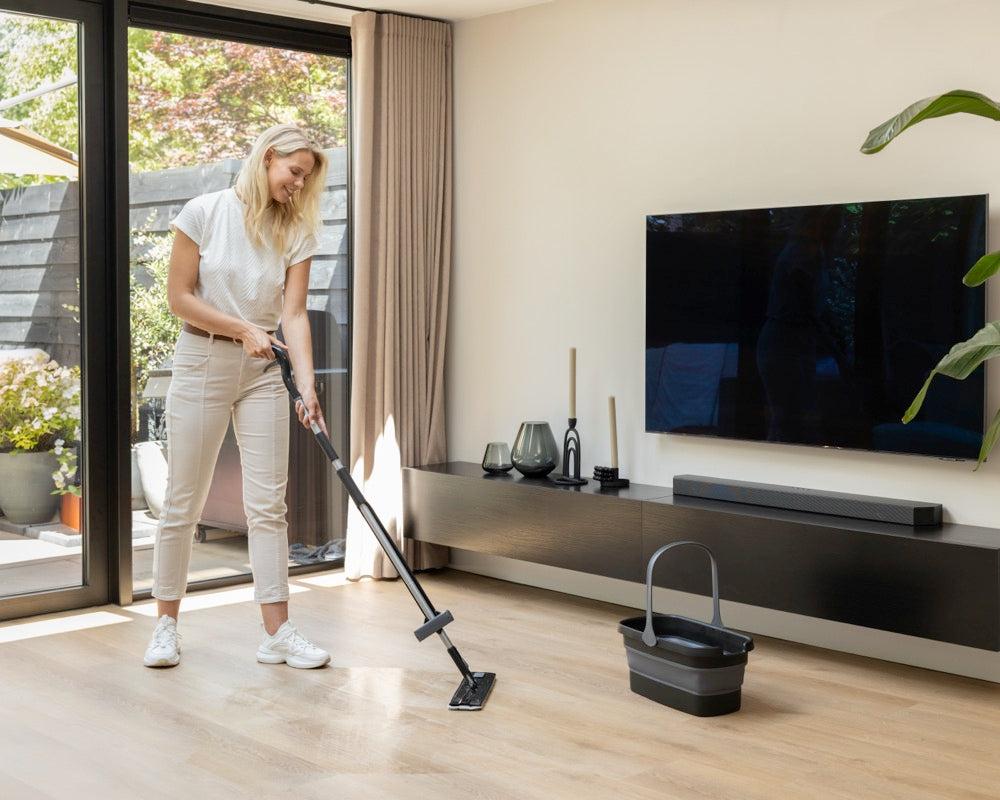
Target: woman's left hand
(311, 410)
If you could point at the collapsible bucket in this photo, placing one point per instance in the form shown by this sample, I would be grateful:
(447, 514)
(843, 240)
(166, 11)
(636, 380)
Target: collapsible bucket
(695, 667)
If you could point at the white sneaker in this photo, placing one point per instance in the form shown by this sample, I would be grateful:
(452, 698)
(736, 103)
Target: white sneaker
(164, 648)
(291, 647)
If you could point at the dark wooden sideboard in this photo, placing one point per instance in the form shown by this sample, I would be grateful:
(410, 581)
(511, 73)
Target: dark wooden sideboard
(941, 583)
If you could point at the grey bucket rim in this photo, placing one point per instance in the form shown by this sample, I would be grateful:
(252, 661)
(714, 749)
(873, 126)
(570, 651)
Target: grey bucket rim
(648, 636)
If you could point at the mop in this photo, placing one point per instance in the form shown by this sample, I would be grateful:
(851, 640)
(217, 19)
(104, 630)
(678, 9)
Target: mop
(475, 688)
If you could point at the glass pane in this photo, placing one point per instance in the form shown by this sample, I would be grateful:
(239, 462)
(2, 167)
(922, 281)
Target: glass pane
(41, 536)
(196, 105)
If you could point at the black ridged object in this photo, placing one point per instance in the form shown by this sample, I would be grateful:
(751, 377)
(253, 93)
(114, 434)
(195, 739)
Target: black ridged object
(815, 501)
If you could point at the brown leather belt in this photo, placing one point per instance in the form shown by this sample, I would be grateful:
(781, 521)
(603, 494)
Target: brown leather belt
(192, 329)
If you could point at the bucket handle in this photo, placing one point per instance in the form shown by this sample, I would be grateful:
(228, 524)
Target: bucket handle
(648, 635)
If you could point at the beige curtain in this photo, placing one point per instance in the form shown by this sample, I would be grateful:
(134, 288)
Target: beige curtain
(401, 70)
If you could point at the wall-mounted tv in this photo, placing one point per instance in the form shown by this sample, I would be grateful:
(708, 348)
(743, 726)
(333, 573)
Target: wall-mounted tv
(816, 325)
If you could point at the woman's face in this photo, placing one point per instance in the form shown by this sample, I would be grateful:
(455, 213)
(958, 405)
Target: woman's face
(286, 175)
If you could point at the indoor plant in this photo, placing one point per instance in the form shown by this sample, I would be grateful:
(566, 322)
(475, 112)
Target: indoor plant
(39, 413)
(962, 360)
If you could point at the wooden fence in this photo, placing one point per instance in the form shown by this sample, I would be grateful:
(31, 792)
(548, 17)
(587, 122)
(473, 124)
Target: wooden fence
(40, 251)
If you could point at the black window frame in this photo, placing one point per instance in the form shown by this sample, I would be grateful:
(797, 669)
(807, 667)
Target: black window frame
(105, 263)
(217, 22)
(95, 295)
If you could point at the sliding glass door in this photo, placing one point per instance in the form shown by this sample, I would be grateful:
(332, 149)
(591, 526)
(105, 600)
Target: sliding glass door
(54, 481)
(113, 113)
(200, 91)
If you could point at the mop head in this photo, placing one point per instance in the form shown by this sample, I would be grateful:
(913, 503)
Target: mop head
(472, 696)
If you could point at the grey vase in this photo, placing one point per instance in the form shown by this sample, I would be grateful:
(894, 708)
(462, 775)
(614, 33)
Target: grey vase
(535, 454)
(26, 487)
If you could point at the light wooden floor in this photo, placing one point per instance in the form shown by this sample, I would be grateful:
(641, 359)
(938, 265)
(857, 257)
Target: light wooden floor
(81, 718)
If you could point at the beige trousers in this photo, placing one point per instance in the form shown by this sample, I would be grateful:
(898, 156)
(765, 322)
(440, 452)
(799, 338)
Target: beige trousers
(214, 380)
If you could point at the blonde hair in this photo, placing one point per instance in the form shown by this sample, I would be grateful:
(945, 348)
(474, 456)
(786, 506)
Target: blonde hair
(266, 219)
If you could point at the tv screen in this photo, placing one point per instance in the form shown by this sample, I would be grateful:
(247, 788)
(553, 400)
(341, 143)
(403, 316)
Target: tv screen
(816, 325)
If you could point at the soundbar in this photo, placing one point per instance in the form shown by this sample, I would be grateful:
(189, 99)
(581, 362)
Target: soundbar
(814, 501)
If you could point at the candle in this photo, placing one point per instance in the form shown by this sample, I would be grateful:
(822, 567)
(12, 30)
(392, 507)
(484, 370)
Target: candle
(614, 432)
(572, 383)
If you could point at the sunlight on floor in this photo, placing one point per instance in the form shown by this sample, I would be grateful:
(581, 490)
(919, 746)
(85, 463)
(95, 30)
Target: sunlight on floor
(47, 627)
(29, 550)
(201, 600)
(325, 581)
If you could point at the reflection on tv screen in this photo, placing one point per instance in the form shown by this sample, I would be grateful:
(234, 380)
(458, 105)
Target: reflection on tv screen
(816, 325)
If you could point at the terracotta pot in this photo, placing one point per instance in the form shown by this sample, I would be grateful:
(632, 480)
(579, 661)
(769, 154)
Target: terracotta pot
(70, 511)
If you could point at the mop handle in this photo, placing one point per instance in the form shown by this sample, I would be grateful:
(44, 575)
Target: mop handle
(431, 617)
(286, 376)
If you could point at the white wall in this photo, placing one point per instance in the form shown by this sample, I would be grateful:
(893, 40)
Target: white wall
(577, 118)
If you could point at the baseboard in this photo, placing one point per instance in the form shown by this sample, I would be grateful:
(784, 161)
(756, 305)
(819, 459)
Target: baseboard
(954, 659)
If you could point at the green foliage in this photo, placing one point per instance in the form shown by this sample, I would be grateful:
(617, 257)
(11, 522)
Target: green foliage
(40, 411)
(984, 268)
(195, 100)
(36, 51)
(963, 359)
(957, 101)
(66, 477)
(154, 328)
(191, 100)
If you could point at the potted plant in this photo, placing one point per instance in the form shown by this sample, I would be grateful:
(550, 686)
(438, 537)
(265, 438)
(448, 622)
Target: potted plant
(67, 477)
(39, 413)
(965, 357)
(67, 480)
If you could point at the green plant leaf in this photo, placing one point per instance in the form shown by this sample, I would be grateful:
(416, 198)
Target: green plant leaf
(958, 101)
(984, 268)
(989, 440)
(960, 362)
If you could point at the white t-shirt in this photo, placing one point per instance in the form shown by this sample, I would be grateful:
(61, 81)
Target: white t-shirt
(234, 276)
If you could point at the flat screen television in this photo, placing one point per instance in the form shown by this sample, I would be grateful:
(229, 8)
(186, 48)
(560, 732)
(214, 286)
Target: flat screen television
(816, 325)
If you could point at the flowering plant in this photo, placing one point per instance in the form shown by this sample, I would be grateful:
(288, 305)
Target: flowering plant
(40, 411)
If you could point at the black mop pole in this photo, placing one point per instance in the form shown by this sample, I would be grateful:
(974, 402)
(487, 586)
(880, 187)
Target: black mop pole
(476, 686)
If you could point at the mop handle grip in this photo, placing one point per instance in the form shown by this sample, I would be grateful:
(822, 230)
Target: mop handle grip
(286, 376)
(286, 371)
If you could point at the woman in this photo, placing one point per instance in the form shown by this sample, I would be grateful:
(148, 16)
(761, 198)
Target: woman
(235, 253)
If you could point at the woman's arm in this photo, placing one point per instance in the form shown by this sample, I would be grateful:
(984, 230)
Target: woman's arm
(182, 277)
(298, 335)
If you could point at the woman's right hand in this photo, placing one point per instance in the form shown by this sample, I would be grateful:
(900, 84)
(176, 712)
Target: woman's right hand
(257, 343)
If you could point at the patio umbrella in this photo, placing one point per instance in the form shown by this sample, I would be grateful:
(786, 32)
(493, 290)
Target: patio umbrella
(23, 152)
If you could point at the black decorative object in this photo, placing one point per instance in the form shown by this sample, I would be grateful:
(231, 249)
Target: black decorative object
(608, 476)
(571, 441)
(535, 454)
(815, 501)
(571, 453)
(496, 459)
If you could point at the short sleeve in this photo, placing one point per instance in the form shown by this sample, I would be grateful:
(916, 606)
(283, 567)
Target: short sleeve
(190, 219)
(304, 247)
